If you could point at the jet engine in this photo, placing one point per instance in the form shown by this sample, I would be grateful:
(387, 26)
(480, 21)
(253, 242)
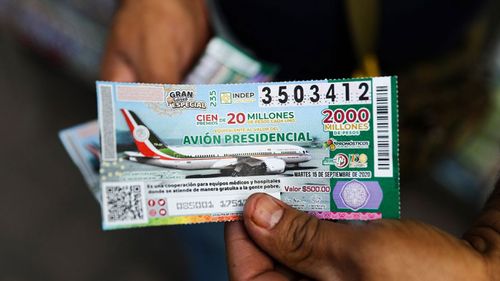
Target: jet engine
(274, 166)
(253, 166)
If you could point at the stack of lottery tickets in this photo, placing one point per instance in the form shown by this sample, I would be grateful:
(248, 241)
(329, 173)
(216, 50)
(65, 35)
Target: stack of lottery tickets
(220, 63)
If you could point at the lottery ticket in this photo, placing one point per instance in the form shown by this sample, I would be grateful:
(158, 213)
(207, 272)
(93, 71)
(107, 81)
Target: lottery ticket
(221, 62)
(177, 154)
(224, 63)
(82, 144)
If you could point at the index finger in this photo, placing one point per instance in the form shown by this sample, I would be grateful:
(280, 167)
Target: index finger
(114, 66)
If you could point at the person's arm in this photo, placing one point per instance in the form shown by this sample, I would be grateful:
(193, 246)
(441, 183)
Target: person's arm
(277, 242)
(155, 40)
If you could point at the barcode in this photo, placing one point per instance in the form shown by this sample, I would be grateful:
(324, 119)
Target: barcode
(382, 132)
(123, 203)
(107, 123)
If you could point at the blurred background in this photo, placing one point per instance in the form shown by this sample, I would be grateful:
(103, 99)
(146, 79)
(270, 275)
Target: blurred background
(50, 223)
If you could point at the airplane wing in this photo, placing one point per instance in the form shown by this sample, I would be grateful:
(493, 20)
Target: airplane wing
(250, 161)
(234, 162)
(225, 164)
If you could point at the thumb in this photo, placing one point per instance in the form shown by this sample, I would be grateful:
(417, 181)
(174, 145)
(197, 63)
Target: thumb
(299, 241)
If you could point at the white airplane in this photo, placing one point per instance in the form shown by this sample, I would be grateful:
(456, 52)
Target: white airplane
(237, 160)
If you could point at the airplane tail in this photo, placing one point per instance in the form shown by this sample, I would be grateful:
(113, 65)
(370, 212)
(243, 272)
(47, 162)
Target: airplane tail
(147, 141)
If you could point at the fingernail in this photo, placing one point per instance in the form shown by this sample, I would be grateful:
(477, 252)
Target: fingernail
(267, 212)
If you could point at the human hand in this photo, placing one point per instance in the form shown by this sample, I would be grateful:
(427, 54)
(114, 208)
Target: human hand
(155, 40)
(277, 242)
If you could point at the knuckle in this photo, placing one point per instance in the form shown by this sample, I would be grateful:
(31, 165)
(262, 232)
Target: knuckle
(299, 243)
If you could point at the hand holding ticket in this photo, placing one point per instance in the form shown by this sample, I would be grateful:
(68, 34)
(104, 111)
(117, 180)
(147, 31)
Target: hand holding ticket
(174, 154)
(277, 242)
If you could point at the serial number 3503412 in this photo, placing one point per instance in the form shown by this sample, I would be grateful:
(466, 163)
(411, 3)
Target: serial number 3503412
(355, 92)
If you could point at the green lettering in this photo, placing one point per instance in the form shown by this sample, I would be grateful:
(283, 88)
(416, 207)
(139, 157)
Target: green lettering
(236, 139)
(272, 137)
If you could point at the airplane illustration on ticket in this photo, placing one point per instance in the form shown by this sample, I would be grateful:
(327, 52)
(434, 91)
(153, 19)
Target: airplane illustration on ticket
(233, 160)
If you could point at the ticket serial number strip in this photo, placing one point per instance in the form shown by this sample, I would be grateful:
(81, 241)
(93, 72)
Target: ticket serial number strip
(303, 94)
(208, 205)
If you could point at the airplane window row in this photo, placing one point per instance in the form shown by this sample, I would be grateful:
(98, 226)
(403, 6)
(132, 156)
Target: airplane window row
(250, 154)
